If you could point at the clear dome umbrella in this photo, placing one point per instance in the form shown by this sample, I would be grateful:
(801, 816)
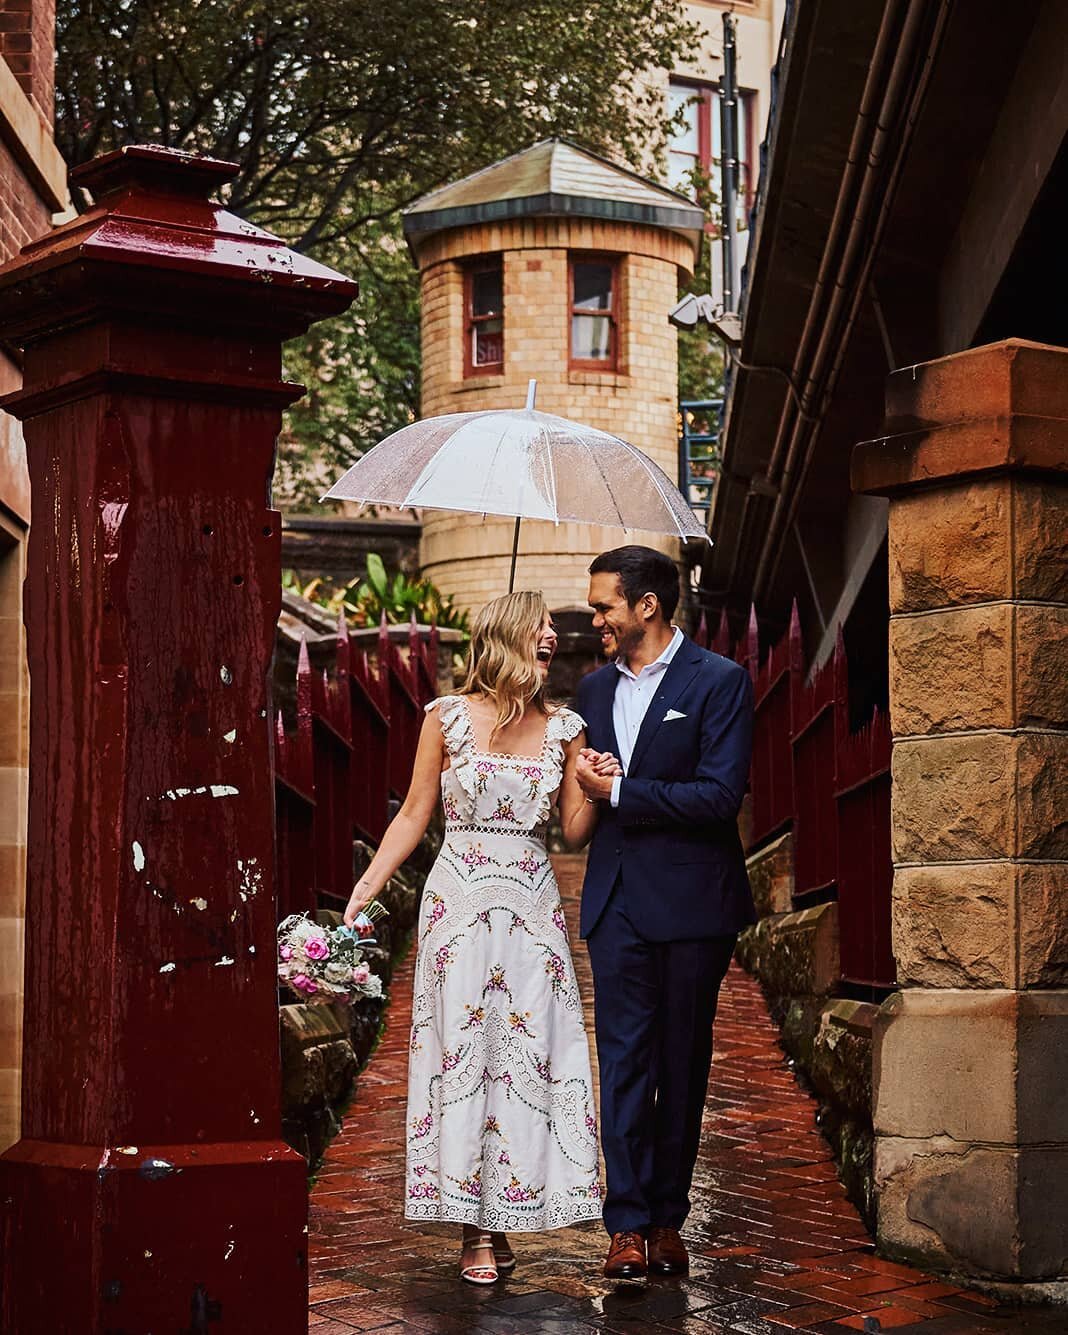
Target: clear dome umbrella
(519, 462)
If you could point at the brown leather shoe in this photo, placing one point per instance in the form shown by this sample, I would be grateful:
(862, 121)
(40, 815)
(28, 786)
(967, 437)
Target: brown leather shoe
(667, 1252)
(626, 1257)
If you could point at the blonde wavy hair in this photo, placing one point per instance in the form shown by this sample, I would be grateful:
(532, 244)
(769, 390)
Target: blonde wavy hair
(502, 661)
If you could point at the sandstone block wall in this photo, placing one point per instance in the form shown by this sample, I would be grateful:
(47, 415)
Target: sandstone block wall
(970, 1108)
(467, 555)
(32, 188)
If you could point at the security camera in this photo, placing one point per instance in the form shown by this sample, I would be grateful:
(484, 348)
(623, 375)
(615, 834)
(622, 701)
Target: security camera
(726, 325)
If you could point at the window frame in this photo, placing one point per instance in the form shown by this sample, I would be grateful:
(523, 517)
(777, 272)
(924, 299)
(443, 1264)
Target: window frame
(610, 364)
(483, 264)
(707, 94)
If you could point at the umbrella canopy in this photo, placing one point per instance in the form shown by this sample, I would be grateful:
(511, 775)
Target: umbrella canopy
(519, 462)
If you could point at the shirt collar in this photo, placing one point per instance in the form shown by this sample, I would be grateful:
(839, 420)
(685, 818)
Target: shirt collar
(658, 664)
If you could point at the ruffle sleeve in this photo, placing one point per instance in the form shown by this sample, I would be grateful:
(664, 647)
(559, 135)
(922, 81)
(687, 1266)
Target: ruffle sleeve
(564, 726)
(455, 722)
(459, 739)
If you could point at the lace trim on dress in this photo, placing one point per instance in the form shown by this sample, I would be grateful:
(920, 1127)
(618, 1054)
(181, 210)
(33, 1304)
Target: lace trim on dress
(564, 726)
(559, 1214)
(459, 737)
(534, 832)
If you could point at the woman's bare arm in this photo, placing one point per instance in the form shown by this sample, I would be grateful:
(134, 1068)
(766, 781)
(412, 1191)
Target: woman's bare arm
(578, 817)
(409, 824)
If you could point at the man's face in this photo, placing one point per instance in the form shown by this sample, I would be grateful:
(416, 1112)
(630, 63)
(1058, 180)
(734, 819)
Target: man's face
(621, 627)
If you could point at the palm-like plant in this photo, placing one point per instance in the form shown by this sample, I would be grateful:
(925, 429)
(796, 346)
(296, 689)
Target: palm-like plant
(365, 599)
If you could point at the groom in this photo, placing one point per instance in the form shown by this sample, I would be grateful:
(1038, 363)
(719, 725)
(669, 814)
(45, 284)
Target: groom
(665, 893)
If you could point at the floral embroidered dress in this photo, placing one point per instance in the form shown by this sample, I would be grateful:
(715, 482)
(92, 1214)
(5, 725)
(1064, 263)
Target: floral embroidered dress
(501, 1126)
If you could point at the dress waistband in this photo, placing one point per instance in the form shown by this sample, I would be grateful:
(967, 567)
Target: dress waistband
(538, 832)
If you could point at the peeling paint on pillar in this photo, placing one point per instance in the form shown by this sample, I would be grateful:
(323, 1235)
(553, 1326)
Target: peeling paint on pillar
(152, 397)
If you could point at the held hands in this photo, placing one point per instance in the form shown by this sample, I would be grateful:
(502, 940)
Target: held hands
(595, 771)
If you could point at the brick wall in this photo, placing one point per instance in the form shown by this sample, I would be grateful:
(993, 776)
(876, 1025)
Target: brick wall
(23, 214)
(469, 556)
(27, 41)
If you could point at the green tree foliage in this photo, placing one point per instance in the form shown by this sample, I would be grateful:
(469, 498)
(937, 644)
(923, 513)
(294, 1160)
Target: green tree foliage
(701, 362)
(341, 112)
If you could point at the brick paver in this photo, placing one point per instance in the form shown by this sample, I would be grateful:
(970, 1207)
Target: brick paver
(775, 1245)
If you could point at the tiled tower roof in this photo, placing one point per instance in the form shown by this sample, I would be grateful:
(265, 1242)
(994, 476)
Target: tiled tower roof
(553, 178)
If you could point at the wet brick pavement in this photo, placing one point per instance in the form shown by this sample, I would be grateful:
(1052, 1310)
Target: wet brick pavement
(775, 1246)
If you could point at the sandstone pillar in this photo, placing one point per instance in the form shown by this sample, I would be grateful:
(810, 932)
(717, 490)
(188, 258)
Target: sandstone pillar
(971, 1055)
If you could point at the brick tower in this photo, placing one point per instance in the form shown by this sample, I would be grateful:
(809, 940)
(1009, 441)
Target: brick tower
(558, 265)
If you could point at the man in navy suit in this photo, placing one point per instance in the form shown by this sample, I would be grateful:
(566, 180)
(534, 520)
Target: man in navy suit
(665, 894)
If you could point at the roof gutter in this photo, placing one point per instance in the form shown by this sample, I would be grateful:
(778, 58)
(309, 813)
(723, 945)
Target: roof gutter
(828, 322)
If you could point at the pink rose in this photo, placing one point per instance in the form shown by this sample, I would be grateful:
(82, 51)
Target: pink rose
(361, 973)
(316, 948)
(304, 984)
(285, 953)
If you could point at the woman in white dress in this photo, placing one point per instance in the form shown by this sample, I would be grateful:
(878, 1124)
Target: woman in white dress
(501, 1129)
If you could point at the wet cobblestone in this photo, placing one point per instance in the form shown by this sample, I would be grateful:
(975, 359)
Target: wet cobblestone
(775, 1245)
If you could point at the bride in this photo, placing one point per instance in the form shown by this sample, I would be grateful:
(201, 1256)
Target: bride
(501, 1129)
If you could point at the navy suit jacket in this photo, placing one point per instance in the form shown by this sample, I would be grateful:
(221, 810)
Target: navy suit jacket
(674, 839)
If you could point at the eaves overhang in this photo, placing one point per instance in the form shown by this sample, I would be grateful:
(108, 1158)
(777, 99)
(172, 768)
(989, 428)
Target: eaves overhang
(824, 59)
(689, 222)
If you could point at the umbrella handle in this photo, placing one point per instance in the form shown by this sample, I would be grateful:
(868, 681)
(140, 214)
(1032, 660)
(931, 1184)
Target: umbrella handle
(515, 552)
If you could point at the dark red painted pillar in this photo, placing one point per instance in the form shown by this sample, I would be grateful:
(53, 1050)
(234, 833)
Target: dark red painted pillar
(151, 1191)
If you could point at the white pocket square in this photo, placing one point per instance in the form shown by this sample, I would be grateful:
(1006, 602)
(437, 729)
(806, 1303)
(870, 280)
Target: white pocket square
(672, 713)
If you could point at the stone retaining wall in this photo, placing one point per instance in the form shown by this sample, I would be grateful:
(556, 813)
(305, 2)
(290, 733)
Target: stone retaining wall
(794, 954)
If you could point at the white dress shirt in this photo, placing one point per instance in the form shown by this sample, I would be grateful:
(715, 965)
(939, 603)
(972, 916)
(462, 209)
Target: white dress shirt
(633, 694)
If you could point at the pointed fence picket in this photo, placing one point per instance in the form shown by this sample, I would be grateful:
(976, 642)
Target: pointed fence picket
(827, 785)
(351, 749)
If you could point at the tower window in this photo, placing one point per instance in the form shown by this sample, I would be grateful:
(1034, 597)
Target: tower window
(594, 313)
(484, 318)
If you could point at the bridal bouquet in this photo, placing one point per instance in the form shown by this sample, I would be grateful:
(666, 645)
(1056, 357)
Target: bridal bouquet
(324, 965)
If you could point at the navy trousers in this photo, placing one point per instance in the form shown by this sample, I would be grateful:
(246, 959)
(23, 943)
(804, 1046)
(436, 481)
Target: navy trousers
(655, 1004)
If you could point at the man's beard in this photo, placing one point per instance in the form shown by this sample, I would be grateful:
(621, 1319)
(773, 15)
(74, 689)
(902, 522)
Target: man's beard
(626, 642)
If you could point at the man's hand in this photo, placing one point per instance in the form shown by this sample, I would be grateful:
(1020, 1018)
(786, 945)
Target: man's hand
(603, 762)
(595, 771)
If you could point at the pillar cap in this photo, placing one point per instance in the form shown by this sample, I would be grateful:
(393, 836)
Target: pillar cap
(163, 170)
(156, 247)
(1002, 408)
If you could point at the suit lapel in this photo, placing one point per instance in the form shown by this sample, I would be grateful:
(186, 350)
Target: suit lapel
(678, 676)
(605, 703)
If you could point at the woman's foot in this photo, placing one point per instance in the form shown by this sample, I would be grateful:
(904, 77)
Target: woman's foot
(502, 1253)
(477, 1262)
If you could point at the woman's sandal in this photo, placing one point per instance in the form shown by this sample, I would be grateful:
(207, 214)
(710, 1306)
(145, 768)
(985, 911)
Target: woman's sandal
(502, 1253)
(478, 1274)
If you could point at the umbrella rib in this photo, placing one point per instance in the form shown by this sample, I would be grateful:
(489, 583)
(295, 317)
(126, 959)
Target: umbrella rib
(496, 452)
(552, 481)
(604, 476)
(656, 483)
(432, 467)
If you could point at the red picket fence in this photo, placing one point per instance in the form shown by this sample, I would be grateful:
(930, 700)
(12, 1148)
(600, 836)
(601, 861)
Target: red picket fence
(828, 785)
(351, 750)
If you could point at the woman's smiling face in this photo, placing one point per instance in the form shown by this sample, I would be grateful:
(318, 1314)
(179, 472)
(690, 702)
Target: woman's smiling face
(546, 646)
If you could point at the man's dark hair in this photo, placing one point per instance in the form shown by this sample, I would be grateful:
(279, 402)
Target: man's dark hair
(640, 571)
